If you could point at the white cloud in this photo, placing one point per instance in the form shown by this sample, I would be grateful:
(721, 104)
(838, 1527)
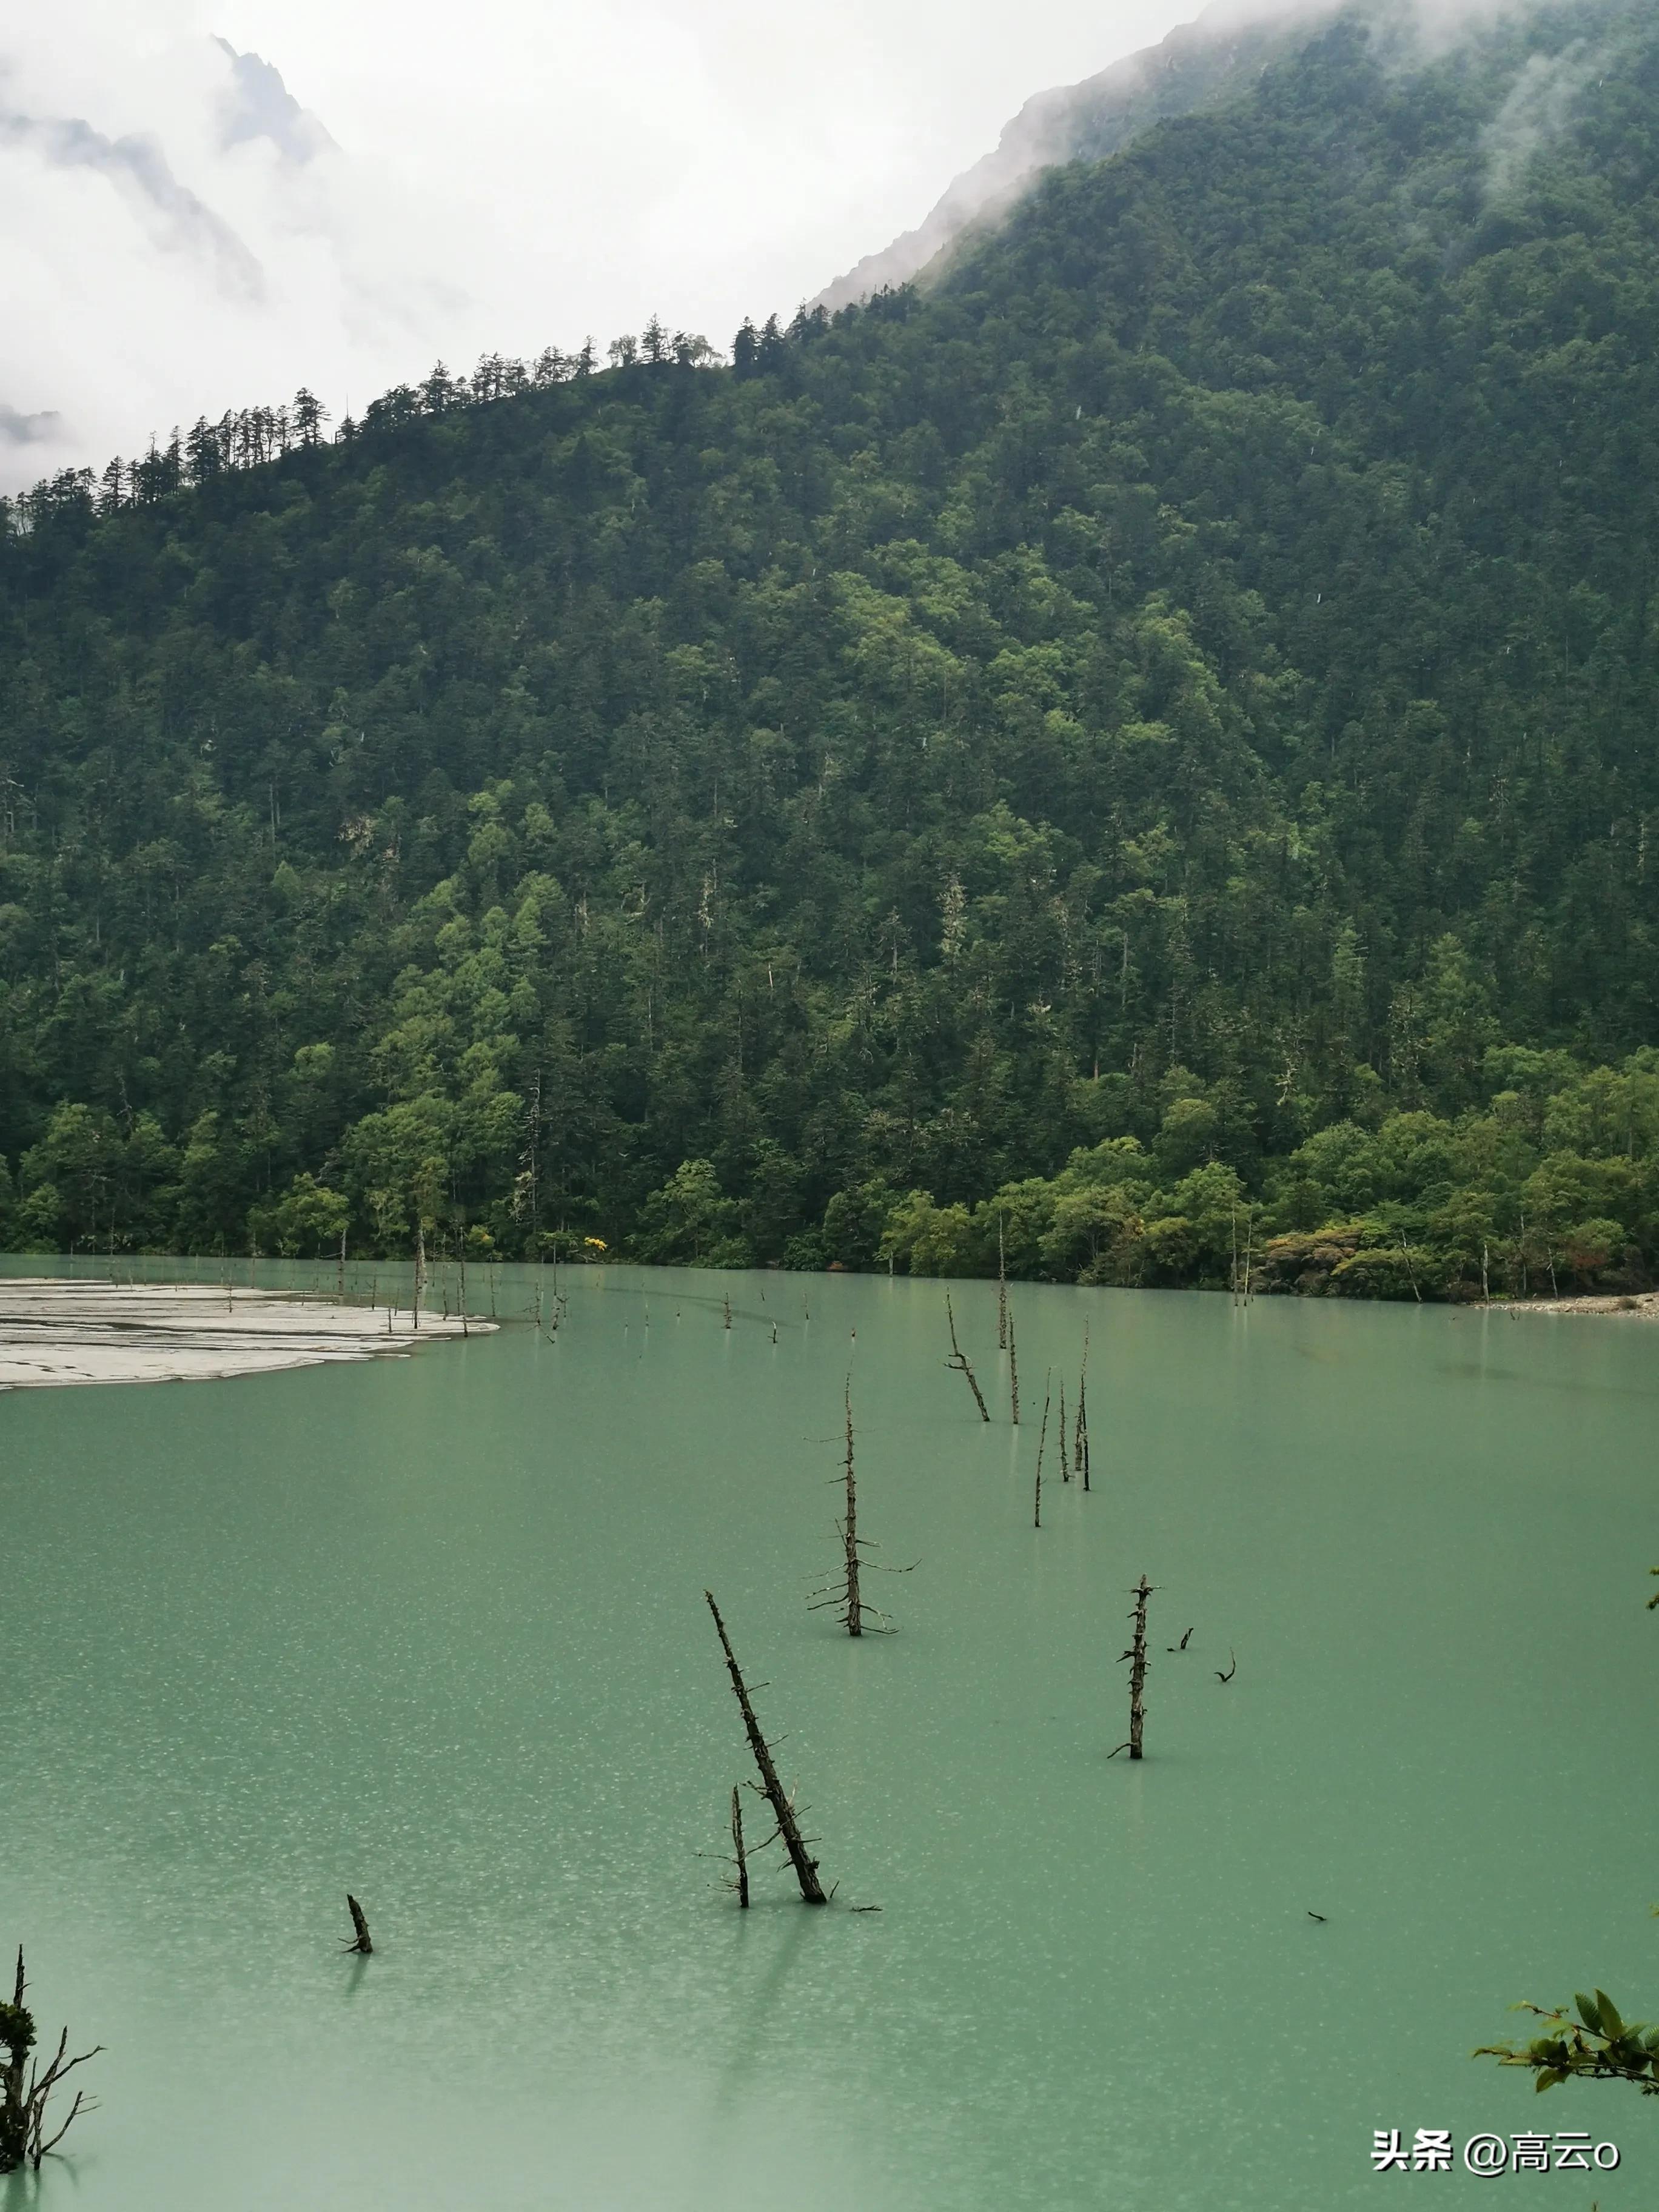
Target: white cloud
(501, 177)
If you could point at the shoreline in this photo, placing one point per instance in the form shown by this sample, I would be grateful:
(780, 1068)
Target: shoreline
(1640, 1305)
(57, 1333)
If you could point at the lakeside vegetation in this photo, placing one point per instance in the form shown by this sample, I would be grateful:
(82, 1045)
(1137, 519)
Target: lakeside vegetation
(1145, 745)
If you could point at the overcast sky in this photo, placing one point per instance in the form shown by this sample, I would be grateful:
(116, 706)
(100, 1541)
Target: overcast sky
(499, 175)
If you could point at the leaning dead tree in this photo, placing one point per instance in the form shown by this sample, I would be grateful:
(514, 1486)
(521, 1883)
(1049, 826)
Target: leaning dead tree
(27, 2089)
(958, 1360)
(1013, 1369)
(846, 1595)
(1136, 1656)
(362, 1942)
(788, 1831)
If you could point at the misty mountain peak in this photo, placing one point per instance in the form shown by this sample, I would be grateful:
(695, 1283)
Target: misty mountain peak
(259, 104)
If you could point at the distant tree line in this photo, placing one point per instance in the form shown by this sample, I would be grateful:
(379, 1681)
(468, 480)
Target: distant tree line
(249, 437)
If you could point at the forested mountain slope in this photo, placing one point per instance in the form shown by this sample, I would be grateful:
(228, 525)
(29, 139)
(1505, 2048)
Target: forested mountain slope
(1181, 693)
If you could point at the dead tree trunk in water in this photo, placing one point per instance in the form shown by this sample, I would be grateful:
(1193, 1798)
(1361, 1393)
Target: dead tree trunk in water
(360, 1925)
(958, 1360)
(806, 1868)
(739, 1855)
(1002, 1297)
(847, 1596)
(1013, 1368)
(849, 1531)
(420, 1267)
(1042, 1438)
(1065, 1464)
(1136, 1656)
(1080, 1452)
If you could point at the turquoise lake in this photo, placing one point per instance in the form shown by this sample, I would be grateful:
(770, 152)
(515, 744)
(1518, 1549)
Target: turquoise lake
(433, 1631)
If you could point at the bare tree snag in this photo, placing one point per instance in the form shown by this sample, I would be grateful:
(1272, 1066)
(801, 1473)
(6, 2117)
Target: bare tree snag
(1042, 1438)
(1013, 1368)
(1065, 1464)
(362, 1943)
(726, 1302)
(783, 1811)
(26, 2090)
(1002, 1295)
(740, 1857)
(958, 1360)
(845, 1594)
(1136, 1656)
(1080, 1452)
(849, 1531)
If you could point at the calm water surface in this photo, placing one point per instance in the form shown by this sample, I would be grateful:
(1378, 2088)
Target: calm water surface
(434, 1630)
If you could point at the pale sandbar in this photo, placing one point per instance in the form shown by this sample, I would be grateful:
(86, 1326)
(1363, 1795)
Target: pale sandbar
(54, 1332)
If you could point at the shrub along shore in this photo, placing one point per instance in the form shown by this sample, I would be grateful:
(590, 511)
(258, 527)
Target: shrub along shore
(1545, 1185)
(1549, 1187)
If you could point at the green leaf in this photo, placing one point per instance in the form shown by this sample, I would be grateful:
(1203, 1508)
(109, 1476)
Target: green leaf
(1587, 2013)
(1611, 2023)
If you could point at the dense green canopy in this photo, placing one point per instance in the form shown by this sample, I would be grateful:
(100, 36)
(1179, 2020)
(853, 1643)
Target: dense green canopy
(1179, 690)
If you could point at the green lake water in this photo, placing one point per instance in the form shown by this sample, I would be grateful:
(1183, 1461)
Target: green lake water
(433, 1630)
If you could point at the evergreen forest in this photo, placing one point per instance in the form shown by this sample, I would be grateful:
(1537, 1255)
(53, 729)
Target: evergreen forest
(1137, 749)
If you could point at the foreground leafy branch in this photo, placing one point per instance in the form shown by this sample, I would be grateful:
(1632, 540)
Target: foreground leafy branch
(26, 2090)
(1599, 2045)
